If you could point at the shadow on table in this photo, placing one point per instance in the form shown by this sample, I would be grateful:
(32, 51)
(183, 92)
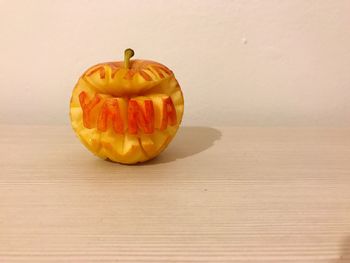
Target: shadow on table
(344, 256)
(188, 141)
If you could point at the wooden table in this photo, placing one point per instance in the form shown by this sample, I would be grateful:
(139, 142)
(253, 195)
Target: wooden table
(216, 195)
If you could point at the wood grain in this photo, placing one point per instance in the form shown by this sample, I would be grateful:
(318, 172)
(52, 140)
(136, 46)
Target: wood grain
(216, 195)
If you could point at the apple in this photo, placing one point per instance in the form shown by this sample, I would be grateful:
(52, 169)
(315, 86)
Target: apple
(127, 111)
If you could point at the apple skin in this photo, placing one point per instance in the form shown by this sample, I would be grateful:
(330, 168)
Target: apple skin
(143, 82)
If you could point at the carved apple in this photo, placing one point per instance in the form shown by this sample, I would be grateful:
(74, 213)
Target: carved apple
(127, 111)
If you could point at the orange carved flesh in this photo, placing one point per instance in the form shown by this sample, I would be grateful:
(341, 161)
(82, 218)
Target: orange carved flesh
(87, 106)
(169, 114)
(145, 75)
(158, 70)
(110, 110)
(137, 118)
(130, 74)
(99, 69)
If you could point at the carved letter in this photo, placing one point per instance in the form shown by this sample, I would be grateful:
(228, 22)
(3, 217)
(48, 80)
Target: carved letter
(137, 118)
(169, 113)
(110, 110)
(87, 106)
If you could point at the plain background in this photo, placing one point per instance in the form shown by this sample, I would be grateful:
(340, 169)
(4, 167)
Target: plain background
(239, 62)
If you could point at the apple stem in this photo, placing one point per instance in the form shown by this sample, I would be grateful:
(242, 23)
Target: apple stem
(128, 53)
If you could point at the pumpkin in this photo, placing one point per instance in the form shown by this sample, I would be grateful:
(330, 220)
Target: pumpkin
(127, 111)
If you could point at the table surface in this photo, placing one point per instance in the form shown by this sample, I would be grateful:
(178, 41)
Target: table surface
(215, 195)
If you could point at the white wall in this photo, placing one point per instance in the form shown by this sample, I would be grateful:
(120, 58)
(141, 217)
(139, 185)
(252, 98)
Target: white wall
(270, 62)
